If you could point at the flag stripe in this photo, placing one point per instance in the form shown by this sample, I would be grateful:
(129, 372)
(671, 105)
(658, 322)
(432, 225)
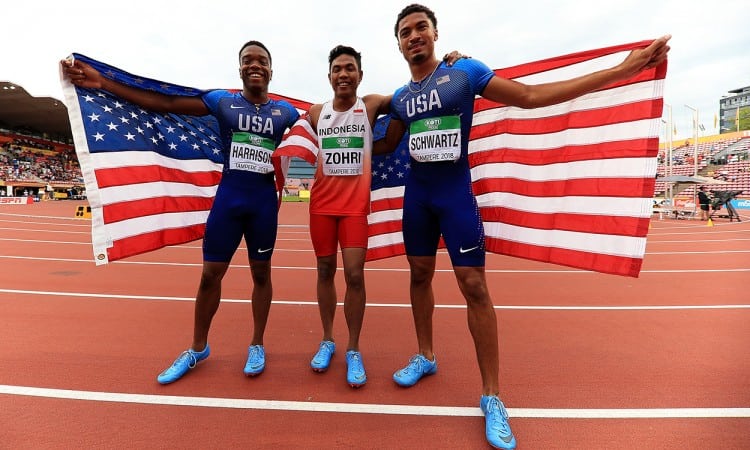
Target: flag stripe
(155, 206)
(393, 226)
(586, 223)
(626, 187)
(116, 194)
(389, 250)
(388, 204)
(145, 242)
(568, 153)
(126, 158)
(149, 224)
(570, 137)
(627, 246)
(610, 206)
(615, 265)
(551, 64)
(611, 168)
(584, 108)
(144, 174)
(598, 117)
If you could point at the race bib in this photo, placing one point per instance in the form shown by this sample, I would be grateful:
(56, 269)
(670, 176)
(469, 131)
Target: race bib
(251, 153)
(435, 139)
(342, 155)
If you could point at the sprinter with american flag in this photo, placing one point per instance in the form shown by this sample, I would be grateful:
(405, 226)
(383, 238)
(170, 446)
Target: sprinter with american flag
(436, 106)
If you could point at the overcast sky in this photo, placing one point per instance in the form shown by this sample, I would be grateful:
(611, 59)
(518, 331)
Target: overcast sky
(196, 43)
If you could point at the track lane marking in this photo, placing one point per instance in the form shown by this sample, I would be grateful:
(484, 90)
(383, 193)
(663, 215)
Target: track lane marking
(415, 410)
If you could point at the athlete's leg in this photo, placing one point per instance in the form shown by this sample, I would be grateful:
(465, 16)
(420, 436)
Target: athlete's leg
(261, 223)
(354, 298)
(207, 301)
(422, 270)
(463, 233)
(221, 239)
(482, 324)
(324, 237)
(326, 290)
(421, 229)
(353, 238)
(261, 296)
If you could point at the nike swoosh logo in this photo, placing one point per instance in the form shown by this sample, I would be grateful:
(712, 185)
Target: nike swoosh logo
(235, 107)
(467, 250)
(260, 250)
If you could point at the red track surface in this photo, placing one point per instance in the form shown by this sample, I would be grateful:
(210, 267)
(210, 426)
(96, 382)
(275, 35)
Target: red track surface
(583, 356)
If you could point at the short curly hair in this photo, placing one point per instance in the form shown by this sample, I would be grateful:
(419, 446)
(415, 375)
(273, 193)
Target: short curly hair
(411, 9)
(344, 50)
(259, 44)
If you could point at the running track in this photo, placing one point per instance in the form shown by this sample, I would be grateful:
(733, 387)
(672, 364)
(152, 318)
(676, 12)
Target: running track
(588, 361)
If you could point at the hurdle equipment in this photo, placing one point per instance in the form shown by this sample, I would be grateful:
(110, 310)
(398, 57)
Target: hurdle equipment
(83, 212)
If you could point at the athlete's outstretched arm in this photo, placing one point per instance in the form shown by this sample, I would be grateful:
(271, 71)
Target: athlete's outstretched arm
(83, 75)
(522, 95)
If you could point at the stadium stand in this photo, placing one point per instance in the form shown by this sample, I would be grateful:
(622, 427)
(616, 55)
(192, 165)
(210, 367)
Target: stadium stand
(37, 157)
(723, 162)
(724, 159)
(36, 154)
(299, 178)
(31, 166)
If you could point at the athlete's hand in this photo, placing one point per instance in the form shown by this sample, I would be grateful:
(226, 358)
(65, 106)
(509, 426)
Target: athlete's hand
(646, 58)
(452, 57)
(81, 74)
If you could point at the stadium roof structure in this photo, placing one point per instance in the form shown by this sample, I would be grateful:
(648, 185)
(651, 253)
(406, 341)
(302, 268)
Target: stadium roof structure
(45, 116)
(691, 179)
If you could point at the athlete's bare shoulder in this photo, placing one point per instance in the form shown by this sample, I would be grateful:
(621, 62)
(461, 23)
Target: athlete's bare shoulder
(377, 104)
(313, 113)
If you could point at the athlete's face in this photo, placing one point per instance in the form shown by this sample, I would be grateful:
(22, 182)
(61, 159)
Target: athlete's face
(416, 37)
(344, 75)
(255, 67)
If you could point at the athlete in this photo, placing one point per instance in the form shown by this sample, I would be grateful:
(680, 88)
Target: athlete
(251, 126)
(436, 106)
(340, 198)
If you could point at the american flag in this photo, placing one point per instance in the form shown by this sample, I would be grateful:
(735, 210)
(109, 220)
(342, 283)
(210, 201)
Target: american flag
(570, 184)
(150, 177)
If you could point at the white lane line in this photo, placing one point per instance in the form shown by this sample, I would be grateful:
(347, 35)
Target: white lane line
(241, 247)
(377, 269)
(415, 410)
(386, 305)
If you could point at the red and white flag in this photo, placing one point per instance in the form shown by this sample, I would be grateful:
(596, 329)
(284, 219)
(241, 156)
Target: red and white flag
(300, 141)
(569, 184)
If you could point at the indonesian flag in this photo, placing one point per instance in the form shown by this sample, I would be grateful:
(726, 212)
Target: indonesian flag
(301, 141)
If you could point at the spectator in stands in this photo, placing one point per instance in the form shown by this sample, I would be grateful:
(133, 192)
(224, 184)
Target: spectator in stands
(704, 201)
